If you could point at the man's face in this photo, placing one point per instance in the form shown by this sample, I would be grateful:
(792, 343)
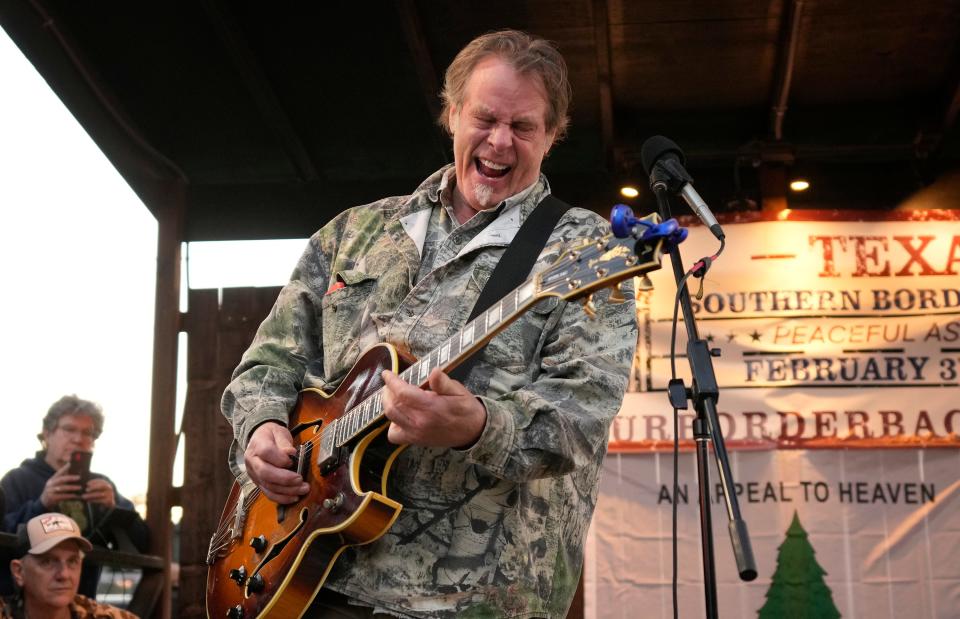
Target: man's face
(73, 433)
(50, 579)
(499, 135)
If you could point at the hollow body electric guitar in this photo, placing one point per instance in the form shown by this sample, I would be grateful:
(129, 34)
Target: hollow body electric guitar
(270, 560)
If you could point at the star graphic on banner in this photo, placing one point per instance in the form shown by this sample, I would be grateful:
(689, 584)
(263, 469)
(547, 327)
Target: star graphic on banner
(709, 338)
(731, 336)
(755, 336)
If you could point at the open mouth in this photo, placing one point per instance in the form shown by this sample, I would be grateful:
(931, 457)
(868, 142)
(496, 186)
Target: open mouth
(491, 169)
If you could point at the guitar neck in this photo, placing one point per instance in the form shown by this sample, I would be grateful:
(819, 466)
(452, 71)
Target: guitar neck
(579, 271)
(447, 356)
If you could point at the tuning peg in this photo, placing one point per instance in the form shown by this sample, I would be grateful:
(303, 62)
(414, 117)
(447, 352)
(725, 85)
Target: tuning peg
(616, 294)
(588, 307)
(644, 282)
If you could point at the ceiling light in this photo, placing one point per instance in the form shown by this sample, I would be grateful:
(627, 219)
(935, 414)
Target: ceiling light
(799, 185)
(629, 192)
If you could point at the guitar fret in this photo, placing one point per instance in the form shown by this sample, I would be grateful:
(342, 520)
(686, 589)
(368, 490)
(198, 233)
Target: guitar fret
(493, 316)
(508, 304)
(445, 352)
(466, 337)
(424, 372)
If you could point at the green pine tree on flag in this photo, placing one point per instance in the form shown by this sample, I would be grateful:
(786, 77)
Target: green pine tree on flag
(798, 590)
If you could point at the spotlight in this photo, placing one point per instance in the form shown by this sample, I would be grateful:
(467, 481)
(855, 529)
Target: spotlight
(629, 192)
(799, 185)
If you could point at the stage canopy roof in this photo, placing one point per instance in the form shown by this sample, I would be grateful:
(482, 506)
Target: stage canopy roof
(269, 118)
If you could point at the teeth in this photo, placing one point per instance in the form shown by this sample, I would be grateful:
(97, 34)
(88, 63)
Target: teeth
(494, 165)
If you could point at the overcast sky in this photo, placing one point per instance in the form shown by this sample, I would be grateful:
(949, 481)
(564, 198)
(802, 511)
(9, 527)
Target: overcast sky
(77, 249)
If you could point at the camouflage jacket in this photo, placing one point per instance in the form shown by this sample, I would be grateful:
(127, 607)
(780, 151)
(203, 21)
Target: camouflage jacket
(495, 530)
(81, 607)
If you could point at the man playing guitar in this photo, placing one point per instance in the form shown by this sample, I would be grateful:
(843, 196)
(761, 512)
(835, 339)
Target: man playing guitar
(499, 479)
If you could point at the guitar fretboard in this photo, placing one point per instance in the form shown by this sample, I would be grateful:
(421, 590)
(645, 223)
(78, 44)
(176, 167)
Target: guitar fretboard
(446, 356)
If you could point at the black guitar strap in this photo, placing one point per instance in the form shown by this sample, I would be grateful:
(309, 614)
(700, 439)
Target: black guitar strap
(515, 264)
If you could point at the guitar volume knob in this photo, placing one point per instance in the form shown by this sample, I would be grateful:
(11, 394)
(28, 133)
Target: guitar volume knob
(258, 543)
(256, 583)
(238, 575)
(334, 503)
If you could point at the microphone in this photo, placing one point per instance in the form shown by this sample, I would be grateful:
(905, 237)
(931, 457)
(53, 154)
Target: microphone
(663, 161)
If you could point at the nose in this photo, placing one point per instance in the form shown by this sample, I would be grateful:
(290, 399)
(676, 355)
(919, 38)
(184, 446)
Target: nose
(500, 137)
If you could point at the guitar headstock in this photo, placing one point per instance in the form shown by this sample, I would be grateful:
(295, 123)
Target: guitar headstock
(600, 262)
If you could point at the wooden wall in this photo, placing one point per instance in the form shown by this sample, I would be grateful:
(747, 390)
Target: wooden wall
(218, 332)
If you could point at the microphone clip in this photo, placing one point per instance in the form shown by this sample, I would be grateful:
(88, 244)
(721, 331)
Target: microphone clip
(669, 173)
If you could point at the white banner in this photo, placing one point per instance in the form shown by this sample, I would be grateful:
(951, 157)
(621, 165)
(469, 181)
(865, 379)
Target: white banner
(882, 525)
(848, 330)
(835, 338)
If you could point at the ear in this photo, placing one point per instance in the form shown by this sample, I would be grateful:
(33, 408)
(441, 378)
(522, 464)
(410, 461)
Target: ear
(453, 119)
(16, 569)
(551, 136)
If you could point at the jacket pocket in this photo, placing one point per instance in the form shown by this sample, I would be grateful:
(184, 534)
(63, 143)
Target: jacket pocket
(347, 328)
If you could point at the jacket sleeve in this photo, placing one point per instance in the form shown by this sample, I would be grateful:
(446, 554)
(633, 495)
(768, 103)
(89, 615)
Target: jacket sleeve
(559, 422)
(264, 387)
(21, 499)
(137, 531)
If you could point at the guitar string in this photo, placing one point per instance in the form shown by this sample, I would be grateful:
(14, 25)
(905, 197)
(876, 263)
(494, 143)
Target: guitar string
(221, 538)
(222, 535)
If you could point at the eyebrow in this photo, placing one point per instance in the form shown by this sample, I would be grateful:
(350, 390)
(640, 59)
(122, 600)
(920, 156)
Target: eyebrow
(480, 109)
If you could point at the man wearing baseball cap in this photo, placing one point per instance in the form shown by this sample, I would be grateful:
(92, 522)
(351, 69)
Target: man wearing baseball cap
(48, 575)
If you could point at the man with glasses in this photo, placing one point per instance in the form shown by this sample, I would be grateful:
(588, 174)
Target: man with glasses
(44, 483)
(48, 574)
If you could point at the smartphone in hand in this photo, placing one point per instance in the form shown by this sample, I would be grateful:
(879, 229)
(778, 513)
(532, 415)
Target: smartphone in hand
(80, 465)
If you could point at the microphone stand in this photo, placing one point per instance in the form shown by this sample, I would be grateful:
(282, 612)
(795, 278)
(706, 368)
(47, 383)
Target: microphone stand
(704, 393)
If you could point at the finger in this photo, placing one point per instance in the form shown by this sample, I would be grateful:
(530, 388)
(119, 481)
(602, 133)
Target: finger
(283, 439)
(402, 394)
(280, 497)
(442, 384)
(392, 382)
(275, 457)
(397, 435)
(278, 478)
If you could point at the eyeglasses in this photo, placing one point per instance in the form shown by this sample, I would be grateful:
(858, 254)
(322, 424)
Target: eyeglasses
(87, 433)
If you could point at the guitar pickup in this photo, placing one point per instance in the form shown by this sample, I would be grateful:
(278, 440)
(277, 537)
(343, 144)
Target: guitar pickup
(330, 462)
(328, 457)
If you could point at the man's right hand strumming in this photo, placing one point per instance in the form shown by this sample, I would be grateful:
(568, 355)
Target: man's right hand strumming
(268, 458)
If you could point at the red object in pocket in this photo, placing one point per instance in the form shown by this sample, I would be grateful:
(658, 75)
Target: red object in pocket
(336, 286)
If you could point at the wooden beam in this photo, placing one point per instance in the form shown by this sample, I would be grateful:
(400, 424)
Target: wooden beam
(257, 83)
(163, 438)
(601, 37)
(425, 69)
